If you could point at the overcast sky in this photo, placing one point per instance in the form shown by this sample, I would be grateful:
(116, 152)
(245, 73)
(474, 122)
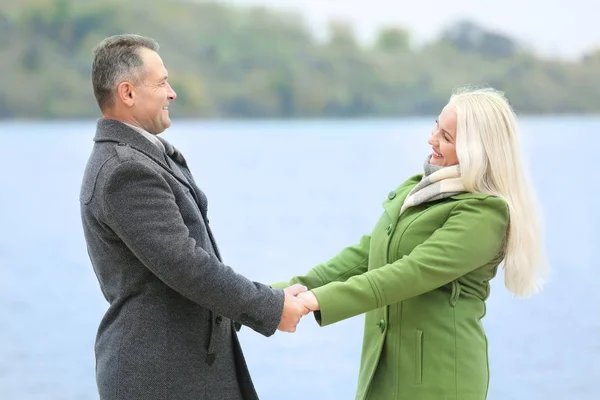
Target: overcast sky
(551, 27)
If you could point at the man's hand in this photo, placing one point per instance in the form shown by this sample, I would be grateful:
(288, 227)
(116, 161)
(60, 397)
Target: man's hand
(293, 308)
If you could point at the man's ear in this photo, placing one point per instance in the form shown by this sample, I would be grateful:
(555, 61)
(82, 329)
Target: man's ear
(126, 93)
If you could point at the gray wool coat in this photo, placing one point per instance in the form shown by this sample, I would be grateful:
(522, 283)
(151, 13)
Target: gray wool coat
(174, 307)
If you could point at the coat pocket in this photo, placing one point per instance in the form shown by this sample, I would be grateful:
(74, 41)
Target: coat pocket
(418, 357)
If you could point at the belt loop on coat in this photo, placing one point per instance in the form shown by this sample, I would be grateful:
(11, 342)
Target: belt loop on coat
(455, 293)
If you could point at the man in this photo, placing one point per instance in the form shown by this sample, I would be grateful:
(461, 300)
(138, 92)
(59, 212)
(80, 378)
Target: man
(169, 332)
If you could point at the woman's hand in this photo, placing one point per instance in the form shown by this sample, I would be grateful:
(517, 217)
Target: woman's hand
(309, 300)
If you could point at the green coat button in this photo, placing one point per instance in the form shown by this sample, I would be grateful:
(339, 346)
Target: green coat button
(382, 325)
(391, 195)
(389, 229)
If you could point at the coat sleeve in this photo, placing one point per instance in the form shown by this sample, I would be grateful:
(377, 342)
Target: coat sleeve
(140, 207)
(472, 236)
(351, 261)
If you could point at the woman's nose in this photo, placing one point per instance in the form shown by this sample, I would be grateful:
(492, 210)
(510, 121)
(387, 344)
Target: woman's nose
(432, 140)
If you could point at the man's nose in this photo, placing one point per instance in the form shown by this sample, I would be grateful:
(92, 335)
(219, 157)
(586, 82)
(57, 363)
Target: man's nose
(171, 93)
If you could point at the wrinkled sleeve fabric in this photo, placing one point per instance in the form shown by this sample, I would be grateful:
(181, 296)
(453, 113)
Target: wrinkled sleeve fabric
(472, 236)
(140, 207)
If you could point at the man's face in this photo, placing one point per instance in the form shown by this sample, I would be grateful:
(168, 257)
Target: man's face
(153, 95)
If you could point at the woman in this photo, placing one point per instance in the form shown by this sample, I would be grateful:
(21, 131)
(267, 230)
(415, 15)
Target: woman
(422, 275)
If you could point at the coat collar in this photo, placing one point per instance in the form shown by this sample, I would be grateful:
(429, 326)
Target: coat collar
(393, 203)
(110, 130)
(463, 196)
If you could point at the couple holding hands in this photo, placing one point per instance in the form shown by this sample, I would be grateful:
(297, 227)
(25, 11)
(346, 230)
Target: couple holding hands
(421, 276)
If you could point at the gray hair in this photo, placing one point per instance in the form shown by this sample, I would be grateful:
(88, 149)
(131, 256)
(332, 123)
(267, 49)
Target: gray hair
(117, 58)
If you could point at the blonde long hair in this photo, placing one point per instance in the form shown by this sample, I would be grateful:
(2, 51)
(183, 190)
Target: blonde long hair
(489, 153)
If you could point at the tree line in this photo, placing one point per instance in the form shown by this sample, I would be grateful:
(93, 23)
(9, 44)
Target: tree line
(228, 61)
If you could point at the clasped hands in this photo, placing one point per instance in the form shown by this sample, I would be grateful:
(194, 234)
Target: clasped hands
(298, 302)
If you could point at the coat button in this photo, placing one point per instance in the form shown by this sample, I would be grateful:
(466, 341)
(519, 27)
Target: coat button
(219, 319)
(391, 195)
(389, 229)
(381, 325)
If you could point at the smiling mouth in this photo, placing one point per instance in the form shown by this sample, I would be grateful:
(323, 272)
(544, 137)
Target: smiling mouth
(436, 154)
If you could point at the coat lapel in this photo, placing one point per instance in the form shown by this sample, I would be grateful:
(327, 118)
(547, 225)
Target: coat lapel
(178, 165)
(401, 224)
(396, 198)
(176, 160)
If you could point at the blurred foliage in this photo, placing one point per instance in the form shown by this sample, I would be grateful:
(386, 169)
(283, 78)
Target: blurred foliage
(253, 62)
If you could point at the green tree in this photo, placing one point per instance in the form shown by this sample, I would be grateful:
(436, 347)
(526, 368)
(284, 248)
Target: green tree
(469, 36)
(393, 40)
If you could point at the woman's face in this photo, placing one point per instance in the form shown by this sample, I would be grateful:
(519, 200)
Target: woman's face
(443, 139)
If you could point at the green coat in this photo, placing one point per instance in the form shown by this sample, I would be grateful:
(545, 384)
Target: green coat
(422, 279)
